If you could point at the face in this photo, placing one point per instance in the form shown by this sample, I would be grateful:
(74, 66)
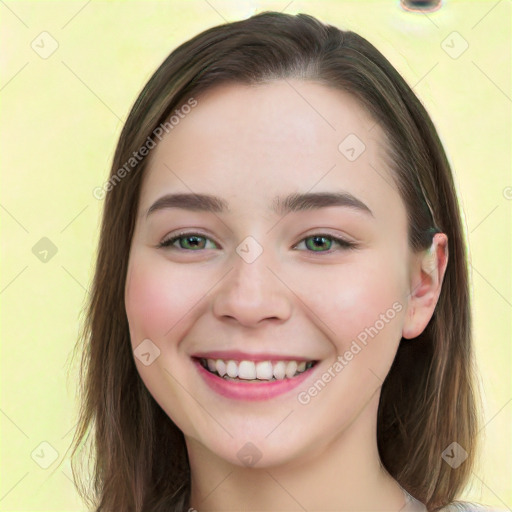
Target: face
(272, 288)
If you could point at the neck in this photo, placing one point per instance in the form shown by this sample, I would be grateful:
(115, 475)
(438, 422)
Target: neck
(344, 474)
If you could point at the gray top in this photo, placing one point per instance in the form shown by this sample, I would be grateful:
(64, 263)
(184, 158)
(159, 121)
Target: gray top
(413, 505)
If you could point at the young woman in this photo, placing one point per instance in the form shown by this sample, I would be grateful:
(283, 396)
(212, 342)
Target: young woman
(280, 315)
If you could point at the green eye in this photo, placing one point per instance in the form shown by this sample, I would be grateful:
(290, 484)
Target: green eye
(195, 242)
(316, 243)
(188, 241)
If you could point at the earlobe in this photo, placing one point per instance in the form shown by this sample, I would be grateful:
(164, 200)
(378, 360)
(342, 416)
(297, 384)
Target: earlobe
(427, 273)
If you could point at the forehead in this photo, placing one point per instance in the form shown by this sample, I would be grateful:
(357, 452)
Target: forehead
(248, 144)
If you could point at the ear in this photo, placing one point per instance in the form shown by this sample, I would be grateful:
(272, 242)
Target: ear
(426, 278)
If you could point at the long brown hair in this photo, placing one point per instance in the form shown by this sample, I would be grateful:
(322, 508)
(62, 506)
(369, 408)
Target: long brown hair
(427, 401)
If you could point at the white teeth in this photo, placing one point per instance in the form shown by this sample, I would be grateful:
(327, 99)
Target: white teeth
(232, 369)
(291, 369)
(280, 370)
(262, 370)
(246, 370)
(221, 367)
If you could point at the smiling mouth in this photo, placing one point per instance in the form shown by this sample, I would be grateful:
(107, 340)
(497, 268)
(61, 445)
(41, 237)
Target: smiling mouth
(250, 371)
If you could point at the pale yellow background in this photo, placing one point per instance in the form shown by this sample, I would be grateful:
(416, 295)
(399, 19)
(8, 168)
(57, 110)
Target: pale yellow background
(60, 120)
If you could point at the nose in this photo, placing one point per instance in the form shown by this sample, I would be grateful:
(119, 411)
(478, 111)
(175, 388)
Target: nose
(251, 293)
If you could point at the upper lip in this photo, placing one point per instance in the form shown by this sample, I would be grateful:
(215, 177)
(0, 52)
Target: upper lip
(237, 355)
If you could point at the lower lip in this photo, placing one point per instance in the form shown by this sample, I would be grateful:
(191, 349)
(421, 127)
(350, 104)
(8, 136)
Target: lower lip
(251, 391)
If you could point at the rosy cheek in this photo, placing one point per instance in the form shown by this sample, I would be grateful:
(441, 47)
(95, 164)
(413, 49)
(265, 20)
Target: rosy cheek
(154, 299)
(359, 300)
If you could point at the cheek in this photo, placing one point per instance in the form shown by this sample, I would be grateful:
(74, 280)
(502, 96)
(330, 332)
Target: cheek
(157, 298)
(363, 302)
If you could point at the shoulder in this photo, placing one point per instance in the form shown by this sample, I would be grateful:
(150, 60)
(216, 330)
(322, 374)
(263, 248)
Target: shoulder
(465, 506)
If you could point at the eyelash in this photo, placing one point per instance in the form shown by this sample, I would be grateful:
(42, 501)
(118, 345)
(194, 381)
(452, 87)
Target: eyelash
(344, 244)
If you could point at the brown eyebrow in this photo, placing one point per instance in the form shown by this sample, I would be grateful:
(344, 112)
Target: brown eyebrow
(280, 205)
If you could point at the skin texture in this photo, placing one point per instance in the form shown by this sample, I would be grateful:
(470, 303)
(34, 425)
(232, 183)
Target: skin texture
(248, 144)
